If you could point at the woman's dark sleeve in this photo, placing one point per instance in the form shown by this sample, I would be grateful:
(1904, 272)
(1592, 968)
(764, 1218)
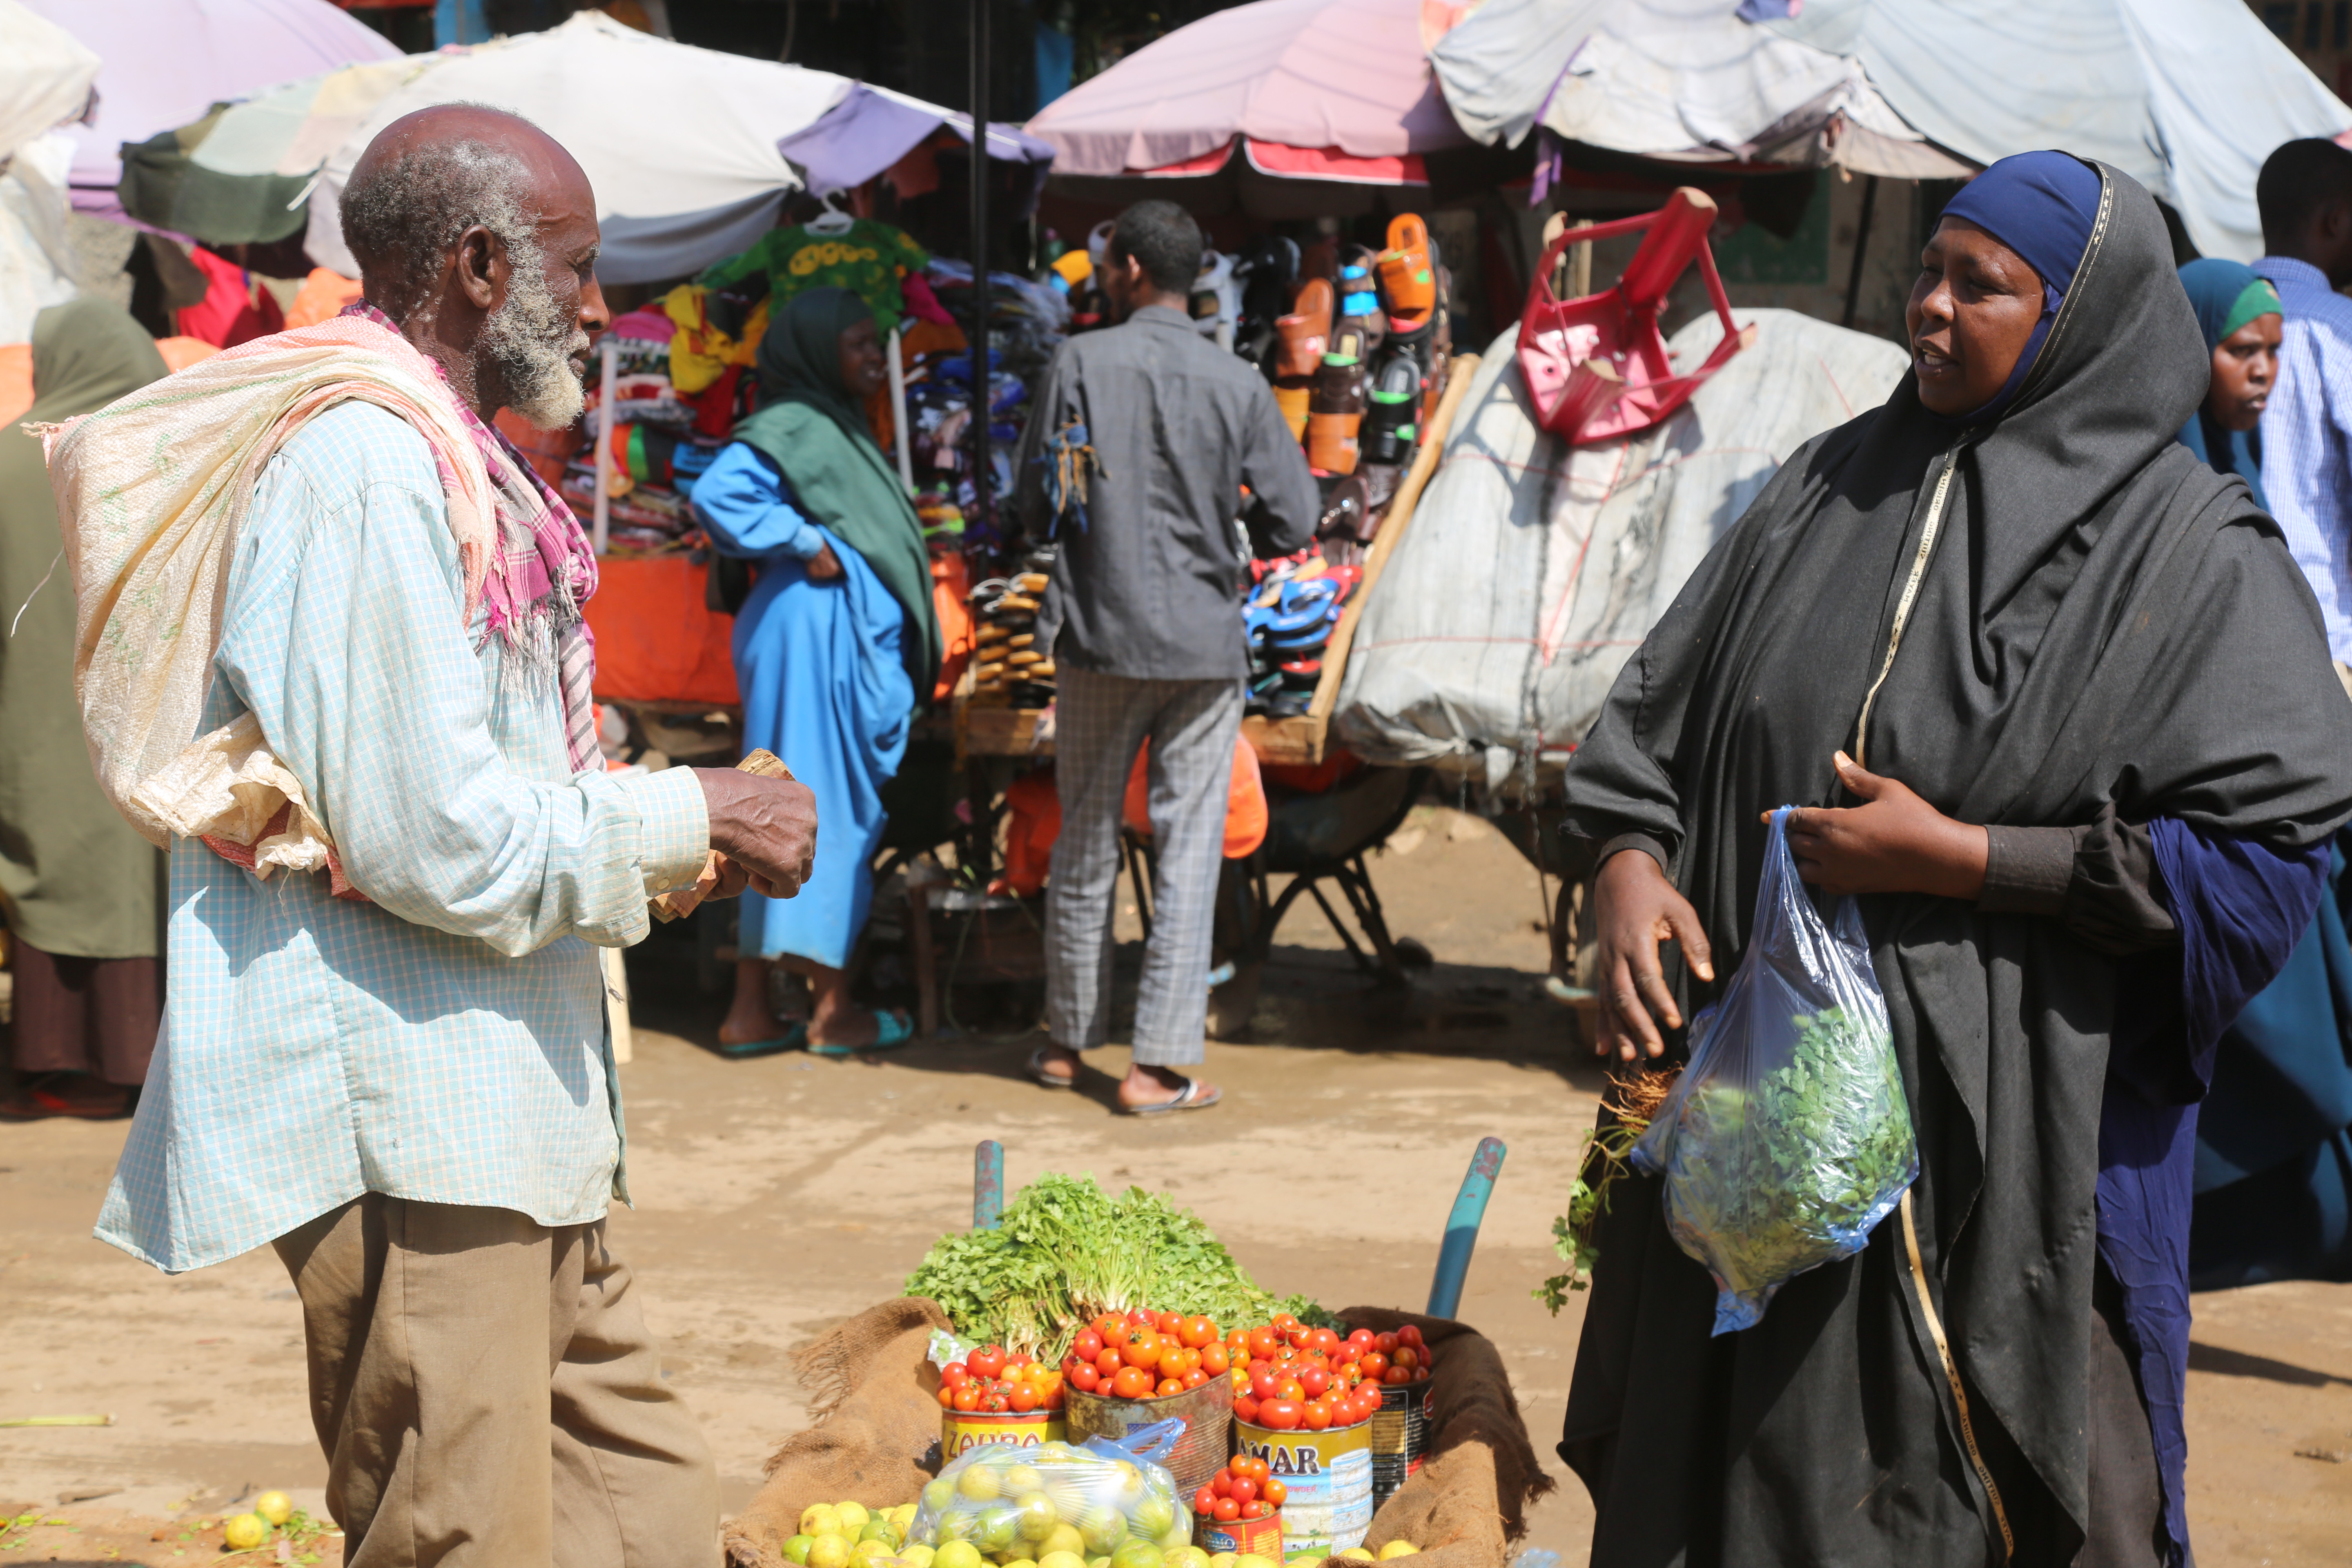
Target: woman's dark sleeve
(2099, 879)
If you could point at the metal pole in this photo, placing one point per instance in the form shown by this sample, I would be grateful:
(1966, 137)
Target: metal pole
(898, 409)
(987, 1185)
(609, 352)
(1462, 1228)
(1860, 247)
(980, 452)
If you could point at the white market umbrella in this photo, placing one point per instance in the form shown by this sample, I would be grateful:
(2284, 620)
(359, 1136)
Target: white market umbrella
(680, 143)
(1684, 82)
(2187, 96)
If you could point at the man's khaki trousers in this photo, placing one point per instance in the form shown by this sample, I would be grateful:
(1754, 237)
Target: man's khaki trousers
(488, 1397)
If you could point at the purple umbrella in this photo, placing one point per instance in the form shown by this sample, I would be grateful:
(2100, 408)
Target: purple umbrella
(873, 128)
(167, 62)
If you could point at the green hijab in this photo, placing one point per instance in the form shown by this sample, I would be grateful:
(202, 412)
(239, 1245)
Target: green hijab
(75, 878)
(815, 431)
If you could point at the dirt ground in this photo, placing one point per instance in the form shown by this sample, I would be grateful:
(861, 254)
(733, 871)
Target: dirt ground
(777, 1196)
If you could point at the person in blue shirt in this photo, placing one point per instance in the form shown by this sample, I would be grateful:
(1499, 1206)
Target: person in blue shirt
(835, 649)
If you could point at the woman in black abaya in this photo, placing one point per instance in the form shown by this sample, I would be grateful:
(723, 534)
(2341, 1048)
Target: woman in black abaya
(2104, 747)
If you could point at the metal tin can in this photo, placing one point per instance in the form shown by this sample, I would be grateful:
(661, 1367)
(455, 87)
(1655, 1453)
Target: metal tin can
(1328, 1479)
(1196, 1456)
(1261, 1537)
(961, 1431)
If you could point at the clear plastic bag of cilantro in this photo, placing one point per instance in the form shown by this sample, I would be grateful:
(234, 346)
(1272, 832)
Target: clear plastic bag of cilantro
(1788, 1137)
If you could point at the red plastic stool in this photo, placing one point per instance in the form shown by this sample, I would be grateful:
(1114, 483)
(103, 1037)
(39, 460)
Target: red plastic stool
(1597, 366)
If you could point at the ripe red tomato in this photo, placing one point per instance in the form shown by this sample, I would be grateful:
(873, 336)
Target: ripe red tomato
(1324, 1340)
(1137, 1318)
(1227, 1508)
(1282, 1414)
(1289, 1388)
(1222, 1483)
(1315, 1381)
(1274, 1493)
(1087, 1345)
(1261, 1384)
(1421, 1374)
(1109, 1362)
(1374, 1363)
(1254, 1510)
(1243, 1489)
(1385, 1344)
(1262, 1344)
(1140, 1348)
(1132, 1383)
(1245, 1408)
(1167, 1322)
(1195, 1378)
(1319, 1416)
(1409, 1335)
(1168, 1385)
(947, 1397)
(1023, 1397)
(1297, 1335)
(1213, 1359)
(1204, 1501)
(986, 1362)
(955, 1374)
(1397, 1375)
(966, 1396)
(1406, 1357)
(1195, 1331)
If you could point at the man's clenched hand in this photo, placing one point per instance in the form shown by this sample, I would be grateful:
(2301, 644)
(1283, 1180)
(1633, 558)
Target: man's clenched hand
(766, 826)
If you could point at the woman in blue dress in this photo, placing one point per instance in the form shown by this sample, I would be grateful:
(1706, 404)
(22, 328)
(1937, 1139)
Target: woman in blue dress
(2273, 1175)
(836, 648)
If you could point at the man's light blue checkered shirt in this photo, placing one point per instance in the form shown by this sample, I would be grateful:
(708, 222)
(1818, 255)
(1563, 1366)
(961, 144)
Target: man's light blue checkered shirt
(448, 1041)
(2307, 439)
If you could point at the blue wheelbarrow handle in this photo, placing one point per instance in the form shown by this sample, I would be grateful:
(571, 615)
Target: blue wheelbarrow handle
(987, 1185)
(1462, 1228)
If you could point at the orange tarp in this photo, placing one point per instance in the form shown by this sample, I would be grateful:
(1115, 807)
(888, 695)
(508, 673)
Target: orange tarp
(656, 640)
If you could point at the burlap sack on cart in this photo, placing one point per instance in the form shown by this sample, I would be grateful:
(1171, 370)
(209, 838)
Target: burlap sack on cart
(152, 491)
(874, 1435)
(876, 1431)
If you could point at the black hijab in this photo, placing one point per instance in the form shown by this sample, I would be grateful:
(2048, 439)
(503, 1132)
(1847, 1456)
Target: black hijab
(2103, 621)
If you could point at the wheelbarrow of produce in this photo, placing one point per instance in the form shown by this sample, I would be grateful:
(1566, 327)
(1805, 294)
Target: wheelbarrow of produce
(1454, 1247)
(1318, 839)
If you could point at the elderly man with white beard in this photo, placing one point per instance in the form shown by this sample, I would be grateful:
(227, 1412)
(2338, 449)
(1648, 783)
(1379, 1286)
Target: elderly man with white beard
(398, 1071)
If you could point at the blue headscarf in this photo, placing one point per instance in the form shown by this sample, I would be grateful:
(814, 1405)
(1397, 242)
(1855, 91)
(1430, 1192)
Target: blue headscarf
(2226, 296)
(2042, 205)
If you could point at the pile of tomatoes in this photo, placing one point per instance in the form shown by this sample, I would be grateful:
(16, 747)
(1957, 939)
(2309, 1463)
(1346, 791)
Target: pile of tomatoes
(1243, 1489)
(1288, 1376)
(992, 1380)
(1145, 1355)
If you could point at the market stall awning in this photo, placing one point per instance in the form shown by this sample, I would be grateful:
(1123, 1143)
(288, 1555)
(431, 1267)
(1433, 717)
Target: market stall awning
(168, 62)
(245, 172)
(1681, 81)
(2187, 96)
(45, 75)
(1335, 93)
(873, 128)
(680, 143)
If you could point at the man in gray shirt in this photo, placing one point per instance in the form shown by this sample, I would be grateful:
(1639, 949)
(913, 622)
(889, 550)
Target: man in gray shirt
(1144, 625)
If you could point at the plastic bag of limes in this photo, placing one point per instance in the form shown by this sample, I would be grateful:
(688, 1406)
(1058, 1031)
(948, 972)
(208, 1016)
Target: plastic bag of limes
(1054, 1505)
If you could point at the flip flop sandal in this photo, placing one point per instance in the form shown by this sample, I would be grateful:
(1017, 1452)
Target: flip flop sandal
(891, 1030)
(1023, 639)
(1017, 604)
(1036, 1070)
(1190, 1098)
(1026, 656)
(792, 1039)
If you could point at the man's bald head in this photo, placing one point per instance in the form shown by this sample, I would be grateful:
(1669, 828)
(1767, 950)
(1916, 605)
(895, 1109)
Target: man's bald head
(477, 232)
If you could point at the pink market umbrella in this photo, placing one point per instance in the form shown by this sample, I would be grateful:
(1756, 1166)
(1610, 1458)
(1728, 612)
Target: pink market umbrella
(1278, 107)
(167, 62)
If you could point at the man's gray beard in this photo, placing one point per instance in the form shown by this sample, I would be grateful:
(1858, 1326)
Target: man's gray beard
(532, 339)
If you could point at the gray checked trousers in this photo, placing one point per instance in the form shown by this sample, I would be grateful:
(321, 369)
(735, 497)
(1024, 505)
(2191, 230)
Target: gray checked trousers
(1098, 721)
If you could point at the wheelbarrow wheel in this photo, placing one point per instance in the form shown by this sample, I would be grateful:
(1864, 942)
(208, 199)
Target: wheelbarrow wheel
(1232, 1005)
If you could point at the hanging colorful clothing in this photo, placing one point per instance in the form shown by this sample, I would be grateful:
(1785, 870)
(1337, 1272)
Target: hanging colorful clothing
(868, 259)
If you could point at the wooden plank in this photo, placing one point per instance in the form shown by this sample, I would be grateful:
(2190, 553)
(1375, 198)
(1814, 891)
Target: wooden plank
(1425, 458)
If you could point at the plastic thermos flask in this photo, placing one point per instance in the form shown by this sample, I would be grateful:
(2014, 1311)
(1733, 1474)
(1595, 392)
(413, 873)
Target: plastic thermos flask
(1334, 413)
(1394, 402)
